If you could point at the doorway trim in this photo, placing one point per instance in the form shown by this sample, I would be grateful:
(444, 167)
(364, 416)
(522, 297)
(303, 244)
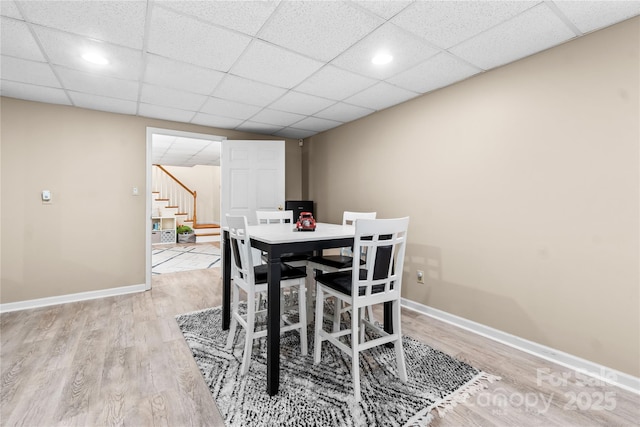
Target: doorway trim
(148, 202)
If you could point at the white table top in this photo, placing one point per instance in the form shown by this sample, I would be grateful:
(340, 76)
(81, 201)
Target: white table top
(286, 233)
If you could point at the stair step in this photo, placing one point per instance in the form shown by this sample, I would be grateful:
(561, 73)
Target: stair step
(162, 200)
(206, 226)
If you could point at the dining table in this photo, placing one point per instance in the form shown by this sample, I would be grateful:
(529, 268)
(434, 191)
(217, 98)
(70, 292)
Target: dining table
(274, 240)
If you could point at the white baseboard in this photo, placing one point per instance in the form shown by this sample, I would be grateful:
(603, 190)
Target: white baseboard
(63, 299)
(586, 367)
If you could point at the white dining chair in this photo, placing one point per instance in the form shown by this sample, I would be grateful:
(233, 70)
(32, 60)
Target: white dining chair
(282, 217)
(378, 281)
(252, 280)
(341, 262)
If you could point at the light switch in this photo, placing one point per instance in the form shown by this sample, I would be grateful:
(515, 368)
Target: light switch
(134, 191)
(46, 195)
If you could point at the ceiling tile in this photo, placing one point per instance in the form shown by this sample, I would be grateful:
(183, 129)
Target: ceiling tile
(33, 93)
(17, 40)
(436, 72)
(120, 22)
(225, 108)
(318, 29)
(342, 112)
(384, 9)
(247, 91)
(165, 113)
(279, 118)
(20, 70)
(381, 96)
(316, 124)
(172, 74)
(599, 13)
(213, 148)
(97, 85)
(262, 128)
(532, 31)
(296, 102)
(407, 50)
(447, 23)
(270, 64)
(215, 121)
(189, 145)
(295, 133)
(334, 83)
(67, 49)
(162, 142)
(103, 103)
(171, 98)
(244, 16)
(9, 8)
(189, 40)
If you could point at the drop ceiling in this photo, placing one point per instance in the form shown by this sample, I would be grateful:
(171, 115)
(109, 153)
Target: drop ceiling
(284, 68)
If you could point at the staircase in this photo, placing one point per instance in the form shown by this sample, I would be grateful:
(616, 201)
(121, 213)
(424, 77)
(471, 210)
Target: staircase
(170, 197)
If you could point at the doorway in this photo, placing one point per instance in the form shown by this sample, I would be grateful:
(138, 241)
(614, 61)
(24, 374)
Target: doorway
(177, 149)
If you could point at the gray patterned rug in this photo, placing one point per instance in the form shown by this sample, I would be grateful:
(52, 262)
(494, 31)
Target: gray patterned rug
(322, 395)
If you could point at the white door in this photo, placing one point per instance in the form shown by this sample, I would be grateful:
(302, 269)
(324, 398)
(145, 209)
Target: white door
(251, 178)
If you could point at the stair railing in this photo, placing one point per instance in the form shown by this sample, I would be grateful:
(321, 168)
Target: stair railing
(178, 194)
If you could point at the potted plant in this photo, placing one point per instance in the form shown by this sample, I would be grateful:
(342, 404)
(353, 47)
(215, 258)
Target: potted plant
(185, 234)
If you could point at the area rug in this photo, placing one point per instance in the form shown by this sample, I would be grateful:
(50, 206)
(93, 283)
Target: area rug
(322, 395)
(172, 259)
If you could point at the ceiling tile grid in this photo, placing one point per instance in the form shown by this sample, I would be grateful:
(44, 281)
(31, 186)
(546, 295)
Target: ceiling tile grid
(318, 29)
(283, 68)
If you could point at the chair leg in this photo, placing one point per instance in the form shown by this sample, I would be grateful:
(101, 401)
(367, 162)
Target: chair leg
(250, 329)
(234, 321)
(402, 369)
(317, 342)
(361, 325)
(302, 317)
(370, 314)
(355, 354)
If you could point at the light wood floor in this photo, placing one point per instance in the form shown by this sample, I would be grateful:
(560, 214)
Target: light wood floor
(122, 361)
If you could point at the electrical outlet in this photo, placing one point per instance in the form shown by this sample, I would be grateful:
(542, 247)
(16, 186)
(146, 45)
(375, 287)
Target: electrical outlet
(420, 276)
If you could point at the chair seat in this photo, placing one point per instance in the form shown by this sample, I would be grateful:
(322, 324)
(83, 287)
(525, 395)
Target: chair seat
(286, 272)
(335, 261)
(341, 282)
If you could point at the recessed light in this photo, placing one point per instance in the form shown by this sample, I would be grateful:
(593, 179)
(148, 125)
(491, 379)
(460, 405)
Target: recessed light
(382, 58)
(95, 58)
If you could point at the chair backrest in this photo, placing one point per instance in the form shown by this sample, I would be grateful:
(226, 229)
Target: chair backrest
(349, 218)
(274, 217)
(240, 243)
(383, 241)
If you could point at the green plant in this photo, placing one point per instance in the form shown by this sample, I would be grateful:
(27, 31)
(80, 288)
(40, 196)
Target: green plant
(184, 229)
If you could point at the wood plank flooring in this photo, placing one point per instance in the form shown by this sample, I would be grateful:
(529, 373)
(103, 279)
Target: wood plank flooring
(121, 361)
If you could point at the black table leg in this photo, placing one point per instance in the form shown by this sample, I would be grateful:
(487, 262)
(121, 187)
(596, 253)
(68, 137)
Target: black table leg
(273, 324)
(226, 281)
(388, 317)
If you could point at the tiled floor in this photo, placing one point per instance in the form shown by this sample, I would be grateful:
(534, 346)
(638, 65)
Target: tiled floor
(184, 257)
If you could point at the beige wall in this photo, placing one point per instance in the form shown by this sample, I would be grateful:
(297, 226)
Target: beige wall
(523, 189)
(205, 181)
(92, 236)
